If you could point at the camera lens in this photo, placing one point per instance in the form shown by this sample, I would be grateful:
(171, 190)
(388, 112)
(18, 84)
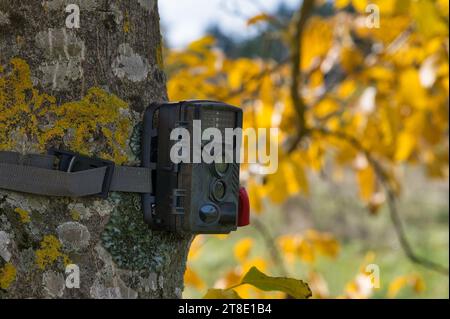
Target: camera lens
(219, 190)
(221, 168)
(209, 213)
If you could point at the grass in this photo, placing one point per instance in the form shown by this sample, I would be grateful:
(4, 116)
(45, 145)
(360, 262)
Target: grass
(334, 207)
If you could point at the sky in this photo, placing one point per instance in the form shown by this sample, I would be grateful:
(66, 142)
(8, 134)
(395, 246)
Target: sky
(184, 21)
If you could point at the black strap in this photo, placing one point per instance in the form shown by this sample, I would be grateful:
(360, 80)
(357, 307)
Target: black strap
(35, 174)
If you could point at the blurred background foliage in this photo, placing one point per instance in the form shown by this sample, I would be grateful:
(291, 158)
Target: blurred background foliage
(363, 161)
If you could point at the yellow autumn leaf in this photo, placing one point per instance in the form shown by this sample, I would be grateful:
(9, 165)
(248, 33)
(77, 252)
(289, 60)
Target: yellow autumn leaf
(380, 73)
(366, 182)
(242, 249)
(411, 90)
(443, 7)
(289, 180)
(288, 245)
(298, 161)
(396, 285)
(360, 5)
(325, 243)
(419, 284)
(308, 246)
(195, 248)
(340, 4)
(414, 280)
(192, 279)
(318, 38)
(428, 19)
(202, 44)
(406, 144)
(388, 7)
(316, 79)
(221, 294)
(325, 108)
(241, 72)
(351, 59)
(306, 251)
(263, 17)
(292, 287)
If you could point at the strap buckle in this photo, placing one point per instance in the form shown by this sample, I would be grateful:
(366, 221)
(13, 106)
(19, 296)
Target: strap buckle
(71, 162)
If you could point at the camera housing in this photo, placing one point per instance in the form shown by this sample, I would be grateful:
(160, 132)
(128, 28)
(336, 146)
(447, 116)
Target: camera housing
(198, 198)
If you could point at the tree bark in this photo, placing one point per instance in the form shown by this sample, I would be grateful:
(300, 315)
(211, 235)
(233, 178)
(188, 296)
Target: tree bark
(83, 89)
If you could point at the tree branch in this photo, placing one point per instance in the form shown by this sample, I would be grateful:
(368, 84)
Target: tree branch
(370, 60)
(299, 23)
(392, 201)
(270, 243)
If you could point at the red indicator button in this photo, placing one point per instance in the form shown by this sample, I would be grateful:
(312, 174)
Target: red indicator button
(244, 208)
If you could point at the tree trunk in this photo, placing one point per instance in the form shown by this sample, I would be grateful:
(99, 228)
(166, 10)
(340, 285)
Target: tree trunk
(83, 89)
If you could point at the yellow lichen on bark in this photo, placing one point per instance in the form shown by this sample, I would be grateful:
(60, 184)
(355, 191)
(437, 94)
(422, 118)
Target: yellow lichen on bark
(23, 215)
(37, 118)
(75, 215)
(50, 252)
(7, 276)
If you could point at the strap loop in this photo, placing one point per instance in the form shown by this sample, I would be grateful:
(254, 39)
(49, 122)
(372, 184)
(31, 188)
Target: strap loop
(71, 162)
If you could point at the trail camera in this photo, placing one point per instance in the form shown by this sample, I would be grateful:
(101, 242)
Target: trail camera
(193, 196)
(188, 179)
